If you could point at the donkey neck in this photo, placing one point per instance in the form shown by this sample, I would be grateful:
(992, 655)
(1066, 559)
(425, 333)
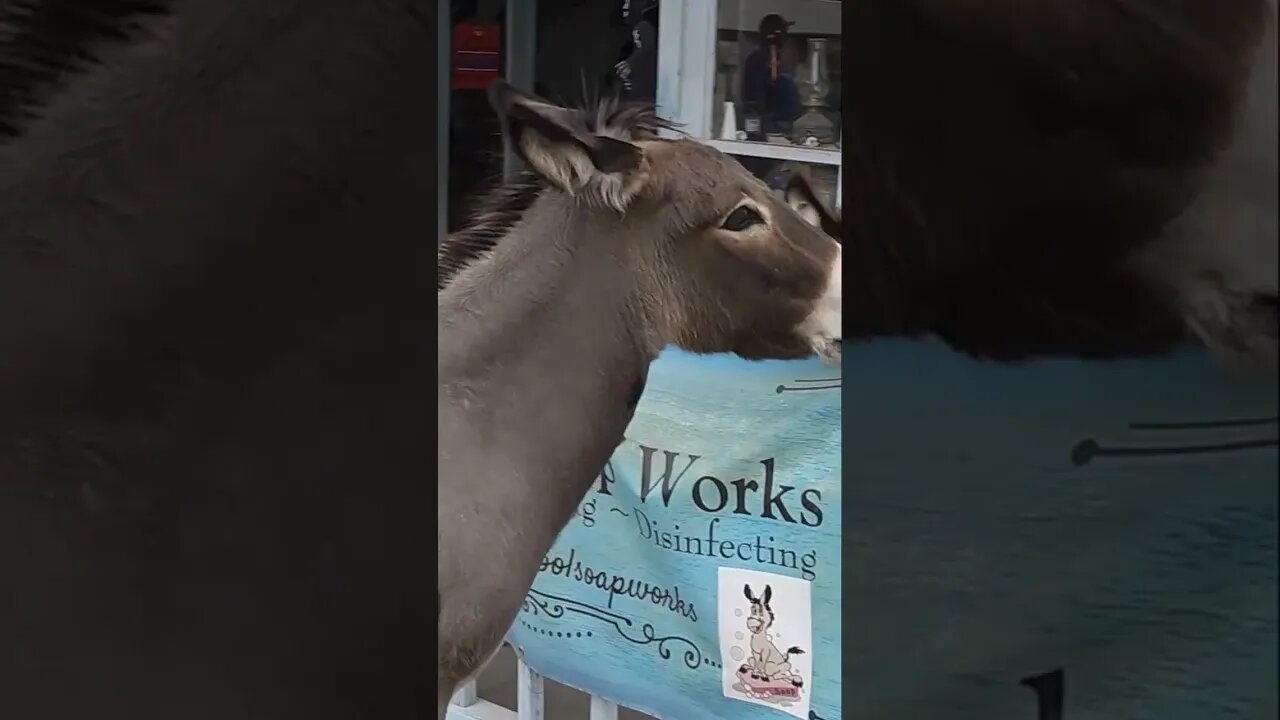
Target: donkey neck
(539, 347)
(564, 274)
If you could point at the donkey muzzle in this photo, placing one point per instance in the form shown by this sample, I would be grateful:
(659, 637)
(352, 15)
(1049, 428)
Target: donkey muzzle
(822, 327)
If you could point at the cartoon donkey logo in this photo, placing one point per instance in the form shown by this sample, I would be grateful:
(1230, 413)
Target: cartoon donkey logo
(766, 663)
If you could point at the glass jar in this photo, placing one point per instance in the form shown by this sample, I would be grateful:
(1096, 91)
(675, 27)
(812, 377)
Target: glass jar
(814, 128)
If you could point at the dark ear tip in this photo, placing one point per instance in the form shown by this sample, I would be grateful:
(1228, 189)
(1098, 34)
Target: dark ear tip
(614, 156)
(798, 181)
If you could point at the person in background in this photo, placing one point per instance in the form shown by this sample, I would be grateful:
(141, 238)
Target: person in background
(767, 86)
(635, 76)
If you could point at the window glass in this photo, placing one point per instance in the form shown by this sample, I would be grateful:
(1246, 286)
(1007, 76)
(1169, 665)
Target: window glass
(778, 72)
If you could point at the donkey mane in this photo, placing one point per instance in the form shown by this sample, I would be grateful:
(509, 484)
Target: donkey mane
(498, 210)
(43, 42)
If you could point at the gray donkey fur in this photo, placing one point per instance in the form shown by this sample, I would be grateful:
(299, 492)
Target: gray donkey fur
(213, 264)
(628, 244)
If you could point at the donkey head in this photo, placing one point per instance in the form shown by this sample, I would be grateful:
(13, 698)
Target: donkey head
(717, 262)
(760, 616)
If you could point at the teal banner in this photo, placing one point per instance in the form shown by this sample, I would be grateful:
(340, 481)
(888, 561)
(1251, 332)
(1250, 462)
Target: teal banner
(1056, 539)
(701, 577)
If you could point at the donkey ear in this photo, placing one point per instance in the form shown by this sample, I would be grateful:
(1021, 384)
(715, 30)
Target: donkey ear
(604, 170)
(746, 590)
(768, 593)
(801, 197)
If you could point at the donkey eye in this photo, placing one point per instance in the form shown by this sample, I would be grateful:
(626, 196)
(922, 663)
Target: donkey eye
(741, 219)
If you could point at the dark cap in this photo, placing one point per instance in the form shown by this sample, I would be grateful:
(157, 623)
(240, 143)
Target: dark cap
(773, 23)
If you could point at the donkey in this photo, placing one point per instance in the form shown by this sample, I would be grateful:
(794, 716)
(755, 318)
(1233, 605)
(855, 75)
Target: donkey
(1083, 178)
(629, 244)
(766, 661)
(212, 264)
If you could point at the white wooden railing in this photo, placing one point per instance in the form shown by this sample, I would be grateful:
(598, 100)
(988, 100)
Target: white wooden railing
(530, 701)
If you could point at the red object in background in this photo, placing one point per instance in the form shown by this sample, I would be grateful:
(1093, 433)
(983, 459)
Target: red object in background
(476, 57)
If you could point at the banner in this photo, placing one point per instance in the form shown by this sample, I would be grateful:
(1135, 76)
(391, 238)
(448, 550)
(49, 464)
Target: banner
(700, 579)
(1057, 539)
(1112, 520)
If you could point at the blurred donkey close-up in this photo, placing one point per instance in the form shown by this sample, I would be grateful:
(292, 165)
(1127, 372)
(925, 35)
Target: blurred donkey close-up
(813, 359)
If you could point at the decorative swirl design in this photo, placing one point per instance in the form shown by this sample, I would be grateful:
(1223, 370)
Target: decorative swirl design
(554, 606)
(537, 606)
(1179, 438)
(1088, 449)
(810, 385)
(1205, 424)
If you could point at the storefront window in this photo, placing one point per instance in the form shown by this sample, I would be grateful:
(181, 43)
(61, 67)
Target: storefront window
(777, 72)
